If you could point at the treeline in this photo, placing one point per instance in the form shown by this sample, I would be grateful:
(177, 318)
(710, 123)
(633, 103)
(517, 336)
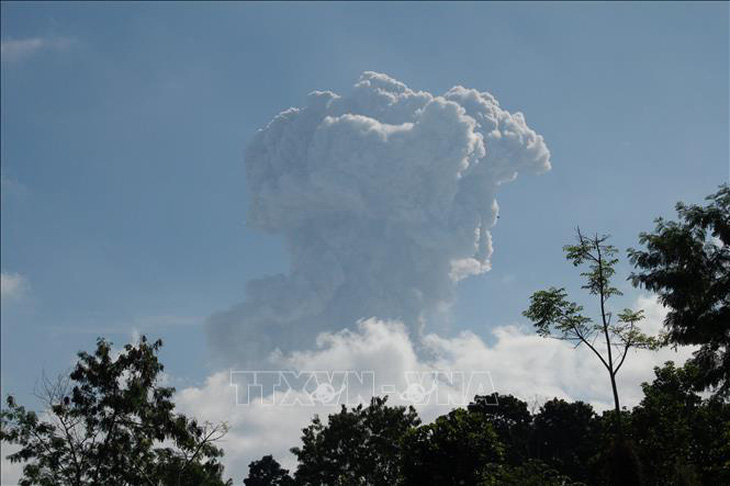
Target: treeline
(673, 437)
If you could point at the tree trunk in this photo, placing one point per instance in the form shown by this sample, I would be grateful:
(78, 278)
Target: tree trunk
(619, 427)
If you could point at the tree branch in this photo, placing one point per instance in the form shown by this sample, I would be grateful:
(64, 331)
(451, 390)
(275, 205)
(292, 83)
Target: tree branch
(591, 347)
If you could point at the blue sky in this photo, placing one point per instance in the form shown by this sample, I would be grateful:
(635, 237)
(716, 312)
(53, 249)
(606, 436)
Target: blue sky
(124, 126)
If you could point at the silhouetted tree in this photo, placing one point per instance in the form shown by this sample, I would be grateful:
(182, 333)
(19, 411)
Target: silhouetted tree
(687, 263)
(267, 472)
(566, 436)
(682, 439)
(664, 422)
(357, 446)
(456, 448)
(110, 422)
(511, 420)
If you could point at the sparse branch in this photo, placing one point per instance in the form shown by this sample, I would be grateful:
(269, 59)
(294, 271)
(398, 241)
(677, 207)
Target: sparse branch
(213, 433)
(595, 351)
(623, 355)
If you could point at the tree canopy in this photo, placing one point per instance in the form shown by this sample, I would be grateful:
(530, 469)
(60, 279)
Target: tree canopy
(674, 436)
(111, 422)
(687, 263)
(681, 438)
(357, 446)
(267, 472)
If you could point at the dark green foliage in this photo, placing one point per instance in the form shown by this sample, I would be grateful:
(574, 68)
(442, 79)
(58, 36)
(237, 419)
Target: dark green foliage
(111, 423)
(356, 446)
(663, 422)
(566, 436)
(687, 263)
(267, 472)
(622, 465)
(711, 434)
(172, 469)
(674, 437)
(678, 434)
(512, 422)
(455, 449)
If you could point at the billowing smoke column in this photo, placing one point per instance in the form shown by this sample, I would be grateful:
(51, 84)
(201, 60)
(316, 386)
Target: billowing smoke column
(385, 199)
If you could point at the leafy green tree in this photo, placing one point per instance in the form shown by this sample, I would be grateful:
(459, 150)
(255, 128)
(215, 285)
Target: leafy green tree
(267, 472)
(357, 446)
(457, 448)
(681, 438)
(110, 422)
(566, 436)
(555, 316)
(687, 263)
(511, 420)
(712, 435)
(663, 423)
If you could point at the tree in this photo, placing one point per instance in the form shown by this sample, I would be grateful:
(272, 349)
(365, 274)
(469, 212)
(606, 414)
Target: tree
(110, 422)
(267, 472)
(511, 420)
(357, 446)
(712, 437)
(663, 421)
(687, 263)
(680, 436)
(457, 448)
(555, 316)
(566, 436)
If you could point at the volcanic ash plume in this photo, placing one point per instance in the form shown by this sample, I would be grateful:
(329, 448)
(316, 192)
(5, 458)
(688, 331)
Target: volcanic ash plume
(385, 198)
